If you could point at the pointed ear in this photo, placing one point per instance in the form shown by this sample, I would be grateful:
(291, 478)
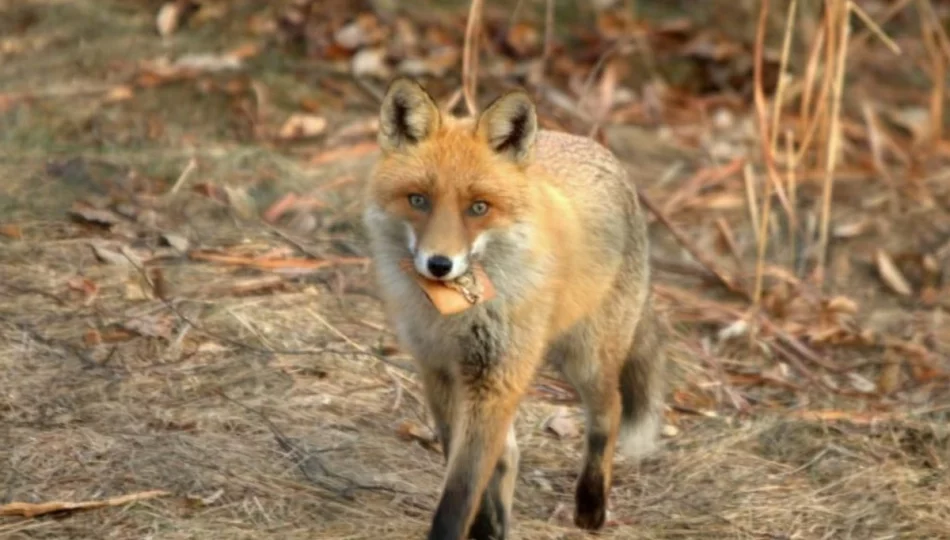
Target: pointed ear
(407, 116)
(509, 126)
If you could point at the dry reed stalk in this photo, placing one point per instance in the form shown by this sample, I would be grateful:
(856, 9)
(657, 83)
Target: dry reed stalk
(790, 179)
(750, 196)
(760, 108)
(470, 56)
(859, 41)
(762, 238)
(831, 158)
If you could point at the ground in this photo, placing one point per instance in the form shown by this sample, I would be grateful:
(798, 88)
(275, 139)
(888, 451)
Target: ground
(170, 320)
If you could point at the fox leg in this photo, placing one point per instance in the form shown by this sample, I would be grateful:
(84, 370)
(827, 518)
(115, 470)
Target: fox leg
(597, 382)
(491, 520)
(494, 513)
(440, 398)
(478, 441)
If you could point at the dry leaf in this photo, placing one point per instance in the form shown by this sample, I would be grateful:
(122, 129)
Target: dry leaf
(208, 62)
(891, 275)
(86, 286)
(198, 500)
(119, 93)
(92, 214)
(890, 377)
(136, 290)
(169, 17)
(38, 509)
(915, 120)
(176, 241)
(861, 383)
(11, 231)
(561, 424)
(370, 63)
(344, 152)
(111, 256)
(851, 229)
(300, 126)
(241, 201)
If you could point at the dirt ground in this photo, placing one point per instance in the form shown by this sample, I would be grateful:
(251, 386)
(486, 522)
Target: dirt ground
(157, 334)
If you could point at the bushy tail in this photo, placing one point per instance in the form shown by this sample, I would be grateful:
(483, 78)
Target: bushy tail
(641, 386)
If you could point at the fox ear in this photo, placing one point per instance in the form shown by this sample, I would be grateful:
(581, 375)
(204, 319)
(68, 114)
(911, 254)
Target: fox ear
(509, 125)
(407, 116)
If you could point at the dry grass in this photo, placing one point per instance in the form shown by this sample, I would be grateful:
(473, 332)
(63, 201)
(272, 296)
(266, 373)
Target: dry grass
(271, 405)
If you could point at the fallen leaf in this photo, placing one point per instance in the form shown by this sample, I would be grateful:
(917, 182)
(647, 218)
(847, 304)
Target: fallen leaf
(136, 290)
(240, 201)
(891, 275)
(561, 424)
(92, 337)
(11, 231)
(91, 214)
(169, 17)
(345, 152)
(890, 377)
(370, 63)
(861, 383)
(245, 51)
(208, 500)
(279, 207)
(851, 229)
(916, 120)
(111, 256)
(176, 241)
(119, 93)
(734, 330)
(86, 286)
(300, 126)
(208, 62)
(38, 509)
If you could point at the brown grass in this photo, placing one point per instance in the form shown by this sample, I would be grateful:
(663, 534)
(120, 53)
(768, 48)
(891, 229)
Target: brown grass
(270, 400)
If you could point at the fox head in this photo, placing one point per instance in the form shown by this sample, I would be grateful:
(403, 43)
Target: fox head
(451, 190)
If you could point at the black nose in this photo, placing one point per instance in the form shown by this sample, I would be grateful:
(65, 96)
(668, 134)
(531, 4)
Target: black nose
(439, 265)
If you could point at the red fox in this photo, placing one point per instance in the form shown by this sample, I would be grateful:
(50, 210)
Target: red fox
(557, 227)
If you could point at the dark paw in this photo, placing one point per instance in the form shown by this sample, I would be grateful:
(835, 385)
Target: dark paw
(489, 522)
(590, 511)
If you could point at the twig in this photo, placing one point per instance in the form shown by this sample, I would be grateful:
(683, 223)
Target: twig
(301, 458)
(548, 37)
(470, 56)
(264, 350)
(691, 248)
(189, 168)
(874, 28)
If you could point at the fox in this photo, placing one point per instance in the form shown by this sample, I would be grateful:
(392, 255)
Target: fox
(557, 226)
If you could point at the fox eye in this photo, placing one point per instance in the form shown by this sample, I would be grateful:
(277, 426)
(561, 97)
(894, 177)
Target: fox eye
(478, 208)
(419, 202)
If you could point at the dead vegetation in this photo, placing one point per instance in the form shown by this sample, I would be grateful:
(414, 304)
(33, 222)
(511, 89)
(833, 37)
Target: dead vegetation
(188, 329)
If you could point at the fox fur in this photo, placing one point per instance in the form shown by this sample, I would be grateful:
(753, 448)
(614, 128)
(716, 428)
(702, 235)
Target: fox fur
(558, 228)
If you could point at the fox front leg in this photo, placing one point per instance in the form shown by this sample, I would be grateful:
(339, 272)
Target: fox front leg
(480, 470)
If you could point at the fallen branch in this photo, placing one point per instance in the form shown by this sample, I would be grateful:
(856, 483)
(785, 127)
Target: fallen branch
(30, 510)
